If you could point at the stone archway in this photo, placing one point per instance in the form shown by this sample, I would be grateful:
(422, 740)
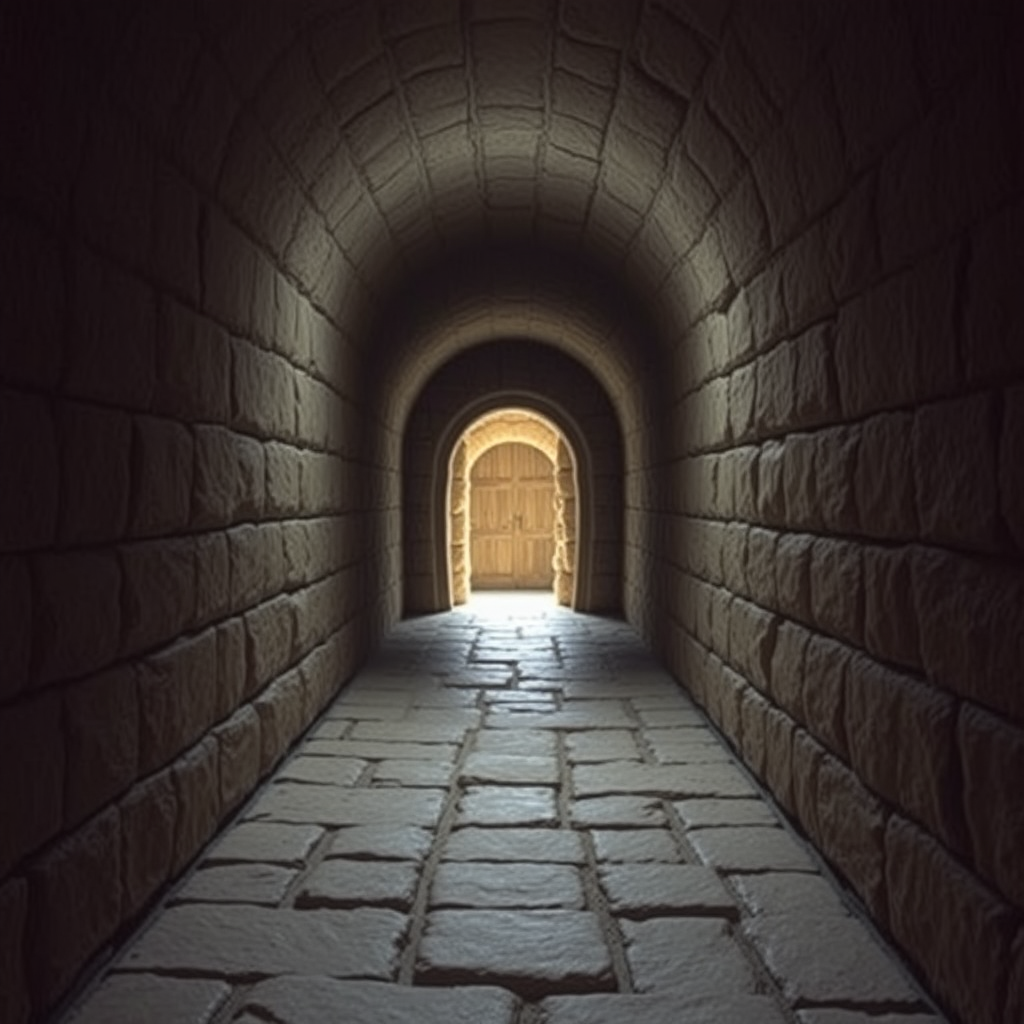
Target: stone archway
(483, 434)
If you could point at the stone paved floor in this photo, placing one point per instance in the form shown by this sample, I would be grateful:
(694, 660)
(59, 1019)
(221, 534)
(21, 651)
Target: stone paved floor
(513, 816)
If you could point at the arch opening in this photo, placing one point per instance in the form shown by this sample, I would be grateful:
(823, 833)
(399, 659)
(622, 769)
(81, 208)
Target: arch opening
(512, 507)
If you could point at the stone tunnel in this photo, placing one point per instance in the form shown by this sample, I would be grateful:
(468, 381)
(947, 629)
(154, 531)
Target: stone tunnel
(753, 261)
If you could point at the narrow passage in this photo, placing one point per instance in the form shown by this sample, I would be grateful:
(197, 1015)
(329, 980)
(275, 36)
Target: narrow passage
(512, 816)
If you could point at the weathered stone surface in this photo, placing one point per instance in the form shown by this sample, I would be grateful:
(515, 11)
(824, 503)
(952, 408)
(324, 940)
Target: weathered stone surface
(124, 998)
(559, 846)
(28, 455)
(482, 885)
(527, 743)
(15, 624)
(685, 746)
(325, 771)
(711, 813)
(618, 812)
(635, 846)
(883, 486)
(404, 772)
(789, 892)
(828, 959)
(237, 942)
(149, 817)
(857, 1017)
(75, 892)
(836, 575)
(378, 750)
(749, 848)
(154, 615)
(327, 806)
(578, 716)
(239, 742)
(162, 464)
(260, 884)
(736, 1008)
(282, 716)
(358, 883)
(890, 622)
(268, 841)
(671, 781)
(382, 842)
(315, 1000)
(687, 956)
(664, 890)
(507, 805)
(824, 691)
(195, 782)
(533, 953)
(509, 768)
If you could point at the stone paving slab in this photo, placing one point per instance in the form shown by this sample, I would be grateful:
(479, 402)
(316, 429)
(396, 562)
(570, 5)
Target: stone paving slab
(304, 1000)
(635, 845)
(484, 767)
(602, 745)
(507, 805)
(331, 771)
(409, 732)
(378, 750)
(696, 956)
(527, 743)
(709, 813)
(832, 1016)
(722, 1008)
(483, 885)
(360, 883)
(136, 998)
(618, 811)
(404, 772)
(750, 848)
(614, 716)
(686, 746)
(828, 959)
(382, 842)
(243, 942)
(326, 805)
(541, 845)
(269, 841)
(669, 781)
(658, 890)
(534, 953)
(785, 892)
(264, 884)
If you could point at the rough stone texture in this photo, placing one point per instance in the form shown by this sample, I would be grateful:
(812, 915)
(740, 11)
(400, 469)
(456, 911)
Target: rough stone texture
(663, 890)
(857, 1017)
(711, 813)
(381, 842)
(355, 883)
(236, 942)
(507, 805)
(531, 952)
(662, 1009)
(259, 884)
(635, 847)
(689, 957)
(673, 781)
(149, 818)
(316, 1001)
(514, 844)
(323, 805)
(509, 768)
(327, 771)
(123, 998)
(749, 848)
(618, 812)
(483, 885)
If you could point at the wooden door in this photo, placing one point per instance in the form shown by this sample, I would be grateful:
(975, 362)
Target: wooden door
(512, 519)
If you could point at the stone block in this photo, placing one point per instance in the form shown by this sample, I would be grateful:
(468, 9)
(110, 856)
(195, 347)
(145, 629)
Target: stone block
(101, 726)
(15, 1005)
(851, 826)
(837, 589)
(95, 452)
(835, 460)
(734, 555)
(793, 575)
(807, 756)
(193, 367)
(229, 273)
(177, 698)
(949, 924)
(771, 488)
(992, 756)
(753, 716)
(239, 741)
(800, 482)
(744, 463)
(298, 552)
(158, 595)
(280, 707)
(788, 670)
(31, 472)
(121, 998)
(175, 256)
(851, 241)
(270, 631)
(232, 668)
(213, 577)
(884, 478)
(282, 484)
(890, 619)
(955, 472)
(750, 848)
(229, 477)
(15, 624)
(816, 398)
(75, 905)
(262, 392)
(247, 568)
(272, 555)
(76, 597)
(981, 663)
(805, 281)
(1011, 457)
(826, 663)
(162, 463)
(32, 752)
(149, 813)
(112, 355)
(775, 390)
(778, 763)
(742, 402)
(752, 632)
(896, 344)
(196, 783)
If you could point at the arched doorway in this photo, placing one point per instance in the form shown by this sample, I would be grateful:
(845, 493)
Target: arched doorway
(512, 507)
